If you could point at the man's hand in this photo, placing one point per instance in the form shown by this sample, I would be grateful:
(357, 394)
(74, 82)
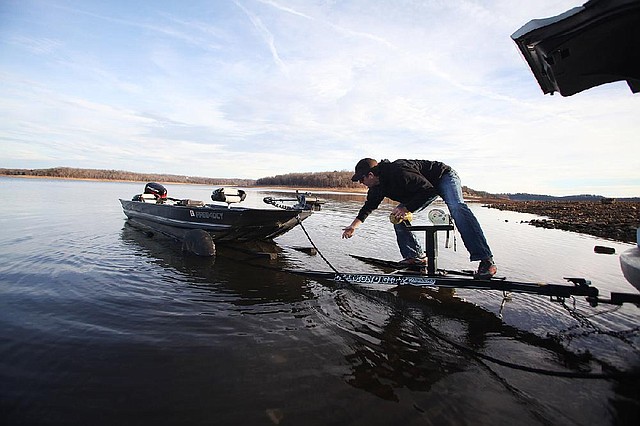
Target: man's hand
(400, 212)
(351, 229)
(348, 231)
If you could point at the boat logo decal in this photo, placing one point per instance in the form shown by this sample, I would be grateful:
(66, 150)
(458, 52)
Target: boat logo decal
(385, 279)
(206, 215)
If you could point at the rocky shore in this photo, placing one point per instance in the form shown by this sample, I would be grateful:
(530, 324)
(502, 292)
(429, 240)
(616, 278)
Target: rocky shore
(615, 221)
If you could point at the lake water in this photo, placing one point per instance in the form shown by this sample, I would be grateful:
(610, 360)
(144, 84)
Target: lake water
(103, 324)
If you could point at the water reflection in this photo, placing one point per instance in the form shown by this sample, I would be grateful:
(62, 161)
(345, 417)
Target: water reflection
(244, 269)
(409, 340)
(400, 360)
(101, 324)
(431, 334)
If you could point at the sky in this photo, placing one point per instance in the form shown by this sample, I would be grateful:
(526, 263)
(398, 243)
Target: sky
(257, 88)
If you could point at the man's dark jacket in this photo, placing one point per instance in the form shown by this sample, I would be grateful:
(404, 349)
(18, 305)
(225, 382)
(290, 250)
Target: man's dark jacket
(410, 182)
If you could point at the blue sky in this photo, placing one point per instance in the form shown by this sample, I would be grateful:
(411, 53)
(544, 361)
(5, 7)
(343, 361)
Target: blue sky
(255, 88)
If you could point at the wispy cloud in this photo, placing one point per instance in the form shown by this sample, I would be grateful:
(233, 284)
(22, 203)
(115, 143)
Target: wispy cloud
(267, 36)
(252, 88)
(39, 46)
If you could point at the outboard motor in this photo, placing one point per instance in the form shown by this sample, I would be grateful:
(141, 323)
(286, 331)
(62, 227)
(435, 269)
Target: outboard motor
(156, 189)
(153, 193)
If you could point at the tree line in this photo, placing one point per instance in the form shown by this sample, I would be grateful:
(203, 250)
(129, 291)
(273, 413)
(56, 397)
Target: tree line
(335, 179)
(311, 180)
(340, 180)
(98, 174)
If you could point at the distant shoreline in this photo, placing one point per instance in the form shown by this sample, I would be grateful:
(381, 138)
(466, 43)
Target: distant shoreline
(616, 221)
(361, 190)
(81, 179)
(307, 189)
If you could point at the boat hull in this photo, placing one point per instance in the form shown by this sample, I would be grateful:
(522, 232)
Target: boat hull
(222, 223)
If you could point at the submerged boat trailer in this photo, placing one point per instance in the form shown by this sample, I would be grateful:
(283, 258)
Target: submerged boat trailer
(431, 276)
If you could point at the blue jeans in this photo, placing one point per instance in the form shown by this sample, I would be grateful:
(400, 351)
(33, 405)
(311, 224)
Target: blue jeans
(473, 238)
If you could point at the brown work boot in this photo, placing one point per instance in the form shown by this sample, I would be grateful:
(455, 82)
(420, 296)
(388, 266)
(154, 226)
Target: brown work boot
(486, 269)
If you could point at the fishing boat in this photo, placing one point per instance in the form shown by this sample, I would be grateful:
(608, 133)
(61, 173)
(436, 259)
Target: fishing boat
(222, 220)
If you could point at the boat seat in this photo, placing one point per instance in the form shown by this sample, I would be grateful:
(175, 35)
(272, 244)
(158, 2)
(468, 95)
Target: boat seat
(228, 195)
(148, 198)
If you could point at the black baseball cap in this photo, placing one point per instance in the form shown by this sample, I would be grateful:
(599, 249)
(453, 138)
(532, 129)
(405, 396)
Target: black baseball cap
(363, 167)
